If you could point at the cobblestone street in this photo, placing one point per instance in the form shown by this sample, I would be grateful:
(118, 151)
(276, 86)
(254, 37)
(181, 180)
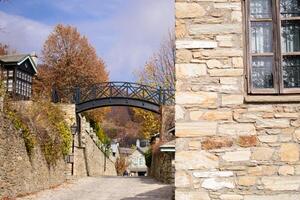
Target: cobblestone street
(107, 188)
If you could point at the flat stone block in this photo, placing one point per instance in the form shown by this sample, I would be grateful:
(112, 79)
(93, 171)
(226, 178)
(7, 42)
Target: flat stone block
(213, 174)
(289, 152)
(189, 10)
(286, 170)
(196, 129)
(196, 160)
(237, 156)
(190, 70)
(199, 29)
(272, 123)
(247, 180)
(226, 72)
(282, 183)
(217, 184)
(191, 195)
(262, 153)
(273, 197)
(231, 197)
(182, 179)
(201, 99)
(232, 100)
(196, 44)
(236, 129)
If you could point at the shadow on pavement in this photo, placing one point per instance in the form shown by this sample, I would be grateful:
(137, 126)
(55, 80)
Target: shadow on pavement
(163, 193)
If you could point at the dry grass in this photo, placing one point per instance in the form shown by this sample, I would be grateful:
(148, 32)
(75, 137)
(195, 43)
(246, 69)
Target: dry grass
(44, 126)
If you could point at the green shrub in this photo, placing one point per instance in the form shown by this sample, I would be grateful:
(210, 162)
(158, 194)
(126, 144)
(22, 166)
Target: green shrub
(27, 135)
(58, 139)
(66, 136)
(51, 150)
(148, 157)
(104, 139)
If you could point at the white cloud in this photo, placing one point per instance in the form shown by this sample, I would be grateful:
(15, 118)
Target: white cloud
(22, 34)
(92, 7)
(130, 37)
(124, 38)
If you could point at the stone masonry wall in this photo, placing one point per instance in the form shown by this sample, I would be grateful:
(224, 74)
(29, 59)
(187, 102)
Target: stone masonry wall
(18, 174)
(162, 167)
(227, 148)
(89, 159)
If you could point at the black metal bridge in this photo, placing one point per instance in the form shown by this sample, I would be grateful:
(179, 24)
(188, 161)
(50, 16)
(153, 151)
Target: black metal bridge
(116, 94)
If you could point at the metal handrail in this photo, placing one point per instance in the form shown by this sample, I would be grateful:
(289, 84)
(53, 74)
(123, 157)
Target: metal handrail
(158, 96)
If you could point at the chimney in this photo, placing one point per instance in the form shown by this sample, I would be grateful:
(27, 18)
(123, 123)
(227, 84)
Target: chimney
(34, 57)
(138, 143)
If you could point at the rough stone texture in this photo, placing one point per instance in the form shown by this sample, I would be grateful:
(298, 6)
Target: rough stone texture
(195, 160)
(219, 128)
(162, 168)
(194, 129)
(236, 156)
(216, 143)
(273, 197)
(1, 103)
(195, 44)
(162, 165)
(18, 174)
(89, 158)
(289, 152)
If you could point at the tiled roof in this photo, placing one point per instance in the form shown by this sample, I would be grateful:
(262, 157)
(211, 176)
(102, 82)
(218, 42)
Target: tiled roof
(124, 150)
(143, 149)
(168, 147)
(169, 144)
(13, 58)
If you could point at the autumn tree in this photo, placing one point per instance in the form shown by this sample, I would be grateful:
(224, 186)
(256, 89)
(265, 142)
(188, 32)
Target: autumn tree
(69, 61)
(150, 122)
(4, 49)
(121, 165)
(158, 72)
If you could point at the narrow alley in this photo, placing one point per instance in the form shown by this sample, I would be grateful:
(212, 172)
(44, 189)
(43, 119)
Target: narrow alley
(107, 188)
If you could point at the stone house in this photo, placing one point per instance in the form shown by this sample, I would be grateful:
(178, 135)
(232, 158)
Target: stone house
(135, 157)
(137, 163)
(237, 99)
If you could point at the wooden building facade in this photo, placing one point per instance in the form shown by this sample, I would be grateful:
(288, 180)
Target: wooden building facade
(17, 72)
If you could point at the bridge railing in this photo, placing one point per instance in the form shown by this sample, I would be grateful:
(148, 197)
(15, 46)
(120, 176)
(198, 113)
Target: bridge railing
(77, 95)
(63, 95)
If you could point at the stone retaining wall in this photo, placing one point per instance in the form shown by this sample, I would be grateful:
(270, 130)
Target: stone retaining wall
(18, 174)
(227, 148)
(162, 167)
(89, 158)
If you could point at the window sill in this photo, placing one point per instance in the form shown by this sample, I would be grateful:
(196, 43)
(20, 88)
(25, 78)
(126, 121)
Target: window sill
(272, 99)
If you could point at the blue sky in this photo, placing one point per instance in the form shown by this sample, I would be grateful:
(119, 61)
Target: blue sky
(125, 33)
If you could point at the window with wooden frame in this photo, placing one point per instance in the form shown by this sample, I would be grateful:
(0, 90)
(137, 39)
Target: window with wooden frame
(273, 46)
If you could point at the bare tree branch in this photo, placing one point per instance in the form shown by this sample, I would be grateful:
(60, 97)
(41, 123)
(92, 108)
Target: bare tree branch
(159, 71)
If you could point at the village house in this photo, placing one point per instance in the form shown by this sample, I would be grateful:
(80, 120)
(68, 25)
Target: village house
(135, 157)
(17, 72)
(237, 99)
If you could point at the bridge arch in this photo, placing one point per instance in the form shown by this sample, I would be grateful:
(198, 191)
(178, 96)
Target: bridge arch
(118, 94)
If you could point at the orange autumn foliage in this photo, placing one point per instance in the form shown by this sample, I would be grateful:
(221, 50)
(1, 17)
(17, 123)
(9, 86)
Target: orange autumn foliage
(69, 61)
